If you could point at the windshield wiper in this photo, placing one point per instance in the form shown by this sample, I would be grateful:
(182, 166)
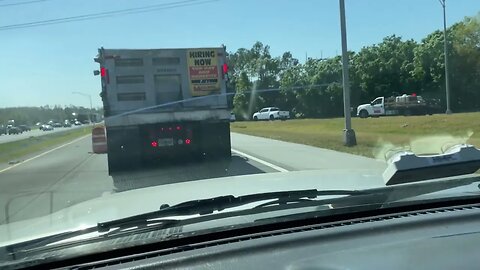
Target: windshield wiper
(166, 217)
(162, 218)
(353, 197)
(210, 205)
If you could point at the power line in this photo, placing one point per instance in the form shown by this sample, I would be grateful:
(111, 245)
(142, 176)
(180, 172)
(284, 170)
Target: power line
(22, 3)
(99, 15)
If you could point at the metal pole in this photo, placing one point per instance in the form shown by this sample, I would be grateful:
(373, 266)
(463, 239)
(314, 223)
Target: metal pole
(90, 99)
(445, 51)
(349, 138)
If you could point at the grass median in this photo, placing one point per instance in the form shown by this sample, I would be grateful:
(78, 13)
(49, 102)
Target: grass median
(375, 136)
(16, 150)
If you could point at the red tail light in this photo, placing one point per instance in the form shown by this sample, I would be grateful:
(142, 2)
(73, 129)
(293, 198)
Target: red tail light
(103, 72)
(188, 141)
(154, 144)
(104, 75)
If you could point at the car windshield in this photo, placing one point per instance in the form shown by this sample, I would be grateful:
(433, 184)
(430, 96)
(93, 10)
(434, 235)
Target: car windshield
(111, 109)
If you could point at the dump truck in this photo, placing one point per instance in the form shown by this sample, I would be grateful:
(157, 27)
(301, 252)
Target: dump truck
(164, 105)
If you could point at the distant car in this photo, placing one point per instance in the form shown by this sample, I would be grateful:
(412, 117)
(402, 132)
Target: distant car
(46, 127)
(232, 117)
(271, 113)
(67, 123)
(78, 123)
(14, 130)
(3, 129)
(86, 122)
(57, 124)
(24, 128)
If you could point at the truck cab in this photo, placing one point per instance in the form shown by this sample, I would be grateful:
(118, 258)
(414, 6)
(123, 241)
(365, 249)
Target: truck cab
(374, 108)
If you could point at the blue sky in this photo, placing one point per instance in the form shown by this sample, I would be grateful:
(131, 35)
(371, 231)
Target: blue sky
(43, 65)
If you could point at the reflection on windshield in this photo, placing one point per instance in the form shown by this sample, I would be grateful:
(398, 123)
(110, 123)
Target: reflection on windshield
(197, 115)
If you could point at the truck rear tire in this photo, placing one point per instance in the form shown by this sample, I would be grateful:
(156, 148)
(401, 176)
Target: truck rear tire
(272, 118)
(363, 114)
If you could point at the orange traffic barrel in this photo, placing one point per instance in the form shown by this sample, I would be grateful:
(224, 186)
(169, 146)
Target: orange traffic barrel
(99, 140)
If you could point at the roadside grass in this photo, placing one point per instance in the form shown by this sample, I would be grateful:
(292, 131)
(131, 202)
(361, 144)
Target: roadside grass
(375, 136)
(12, 151)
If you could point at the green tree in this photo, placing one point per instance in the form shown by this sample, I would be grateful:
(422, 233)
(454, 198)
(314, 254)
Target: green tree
(385, 69)
(241, 100)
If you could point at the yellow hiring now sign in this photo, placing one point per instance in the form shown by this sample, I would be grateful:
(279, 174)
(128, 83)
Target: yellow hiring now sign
(203, 71)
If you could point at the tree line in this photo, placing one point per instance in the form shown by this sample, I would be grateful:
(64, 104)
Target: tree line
(392, 67)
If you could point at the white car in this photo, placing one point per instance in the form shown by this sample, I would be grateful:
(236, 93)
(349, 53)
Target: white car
(271, 113)
(46, 127)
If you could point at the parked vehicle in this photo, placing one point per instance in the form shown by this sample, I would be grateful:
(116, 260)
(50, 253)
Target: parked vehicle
(232, 117)
(67, 123)
(77, 123)
(271, 113)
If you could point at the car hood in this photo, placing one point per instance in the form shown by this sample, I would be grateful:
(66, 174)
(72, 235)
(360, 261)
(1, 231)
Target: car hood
(363, 106)
(123, 204)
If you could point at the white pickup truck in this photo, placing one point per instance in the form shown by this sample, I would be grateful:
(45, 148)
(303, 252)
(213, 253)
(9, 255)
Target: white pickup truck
(399, 105)
(271, 113)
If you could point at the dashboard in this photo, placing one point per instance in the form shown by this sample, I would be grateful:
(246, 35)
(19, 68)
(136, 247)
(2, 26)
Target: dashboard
(440, 238)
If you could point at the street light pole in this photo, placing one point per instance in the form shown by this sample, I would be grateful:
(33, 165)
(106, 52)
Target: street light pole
(90, 99)
(445, 50)
(349, 138)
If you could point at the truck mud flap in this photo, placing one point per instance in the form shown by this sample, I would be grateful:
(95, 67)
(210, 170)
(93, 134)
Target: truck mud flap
(123, 149)
(216, 140)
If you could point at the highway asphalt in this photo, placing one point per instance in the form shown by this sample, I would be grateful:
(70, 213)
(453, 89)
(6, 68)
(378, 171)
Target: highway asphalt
(35, 132)
(71, 173)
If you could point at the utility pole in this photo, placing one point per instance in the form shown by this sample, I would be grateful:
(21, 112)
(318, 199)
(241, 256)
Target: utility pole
(349, 138)
(445, 52)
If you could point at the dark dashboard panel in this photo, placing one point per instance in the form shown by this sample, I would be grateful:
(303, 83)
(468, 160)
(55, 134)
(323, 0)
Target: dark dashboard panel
(445, 239)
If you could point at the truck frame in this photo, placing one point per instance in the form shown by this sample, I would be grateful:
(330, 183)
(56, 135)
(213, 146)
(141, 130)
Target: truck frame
(164, 105)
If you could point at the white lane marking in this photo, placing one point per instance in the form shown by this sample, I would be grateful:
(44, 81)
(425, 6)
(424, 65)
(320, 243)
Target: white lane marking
(261, 161)
(44, 153)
